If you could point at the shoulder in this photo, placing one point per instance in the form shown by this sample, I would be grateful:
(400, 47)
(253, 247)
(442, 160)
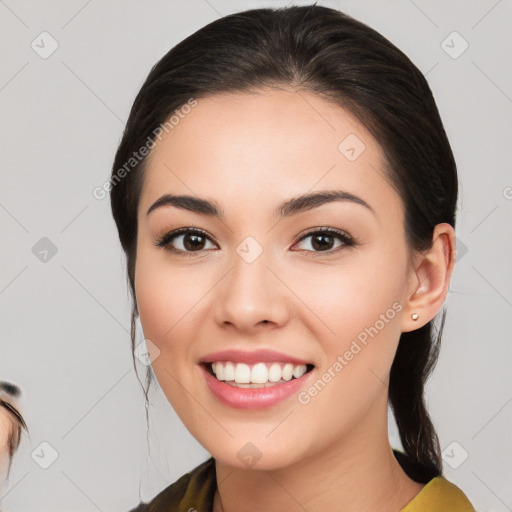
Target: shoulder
(439, 495)
(192, 491)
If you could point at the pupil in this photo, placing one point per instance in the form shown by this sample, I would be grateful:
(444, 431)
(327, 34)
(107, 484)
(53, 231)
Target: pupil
(196, 244)
(319, 245)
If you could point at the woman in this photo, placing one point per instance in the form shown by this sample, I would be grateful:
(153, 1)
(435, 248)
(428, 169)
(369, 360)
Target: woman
(285, 195)
(11, 425)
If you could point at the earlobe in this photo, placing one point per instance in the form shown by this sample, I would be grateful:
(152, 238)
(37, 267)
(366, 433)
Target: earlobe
(430, 277)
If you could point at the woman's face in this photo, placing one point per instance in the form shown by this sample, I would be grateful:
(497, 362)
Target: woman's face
(264, 284)
(8, 427)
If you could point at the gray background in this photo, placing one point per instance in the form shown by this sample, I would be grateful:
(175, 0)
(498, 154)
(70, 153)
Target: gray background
(65, 320)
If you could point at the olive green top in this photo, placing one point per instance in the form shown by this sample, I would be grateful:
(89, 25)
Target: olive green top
(194, 492)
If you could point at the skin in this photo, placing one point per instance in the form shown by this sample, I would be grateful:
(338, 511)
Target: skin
(8, 426)
(250, 152)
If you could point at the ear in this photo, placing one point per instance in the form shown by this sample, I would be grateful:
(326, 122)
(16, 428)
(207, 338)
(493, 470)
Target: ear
(430, 275)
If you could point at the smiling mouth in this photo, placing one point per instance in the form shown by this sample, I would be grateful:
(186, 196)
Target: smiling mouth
(259, 375)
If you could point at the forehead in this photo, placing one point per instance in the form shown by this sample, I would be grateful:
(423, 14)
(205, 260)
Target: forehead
(268, 144)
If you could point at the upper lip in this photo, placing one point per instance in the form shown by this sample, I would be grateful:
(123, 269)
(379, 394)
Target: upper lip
(252, 357)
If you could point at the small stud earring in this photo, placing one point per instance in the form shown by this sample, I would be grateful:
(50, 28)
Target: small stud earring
(415, 316)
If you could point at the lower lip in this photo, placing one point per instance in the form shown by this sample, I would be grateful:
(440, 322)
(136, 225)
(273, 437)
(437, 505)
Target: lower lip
(253, 398)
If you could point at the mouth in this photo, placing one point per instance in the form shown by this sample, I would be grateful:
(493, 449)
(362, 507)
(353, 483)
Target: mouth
(255, 379)
(258, 375)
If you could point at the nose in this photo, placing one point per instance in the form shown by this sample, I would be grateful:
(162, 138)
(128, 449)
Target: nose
(252, 296)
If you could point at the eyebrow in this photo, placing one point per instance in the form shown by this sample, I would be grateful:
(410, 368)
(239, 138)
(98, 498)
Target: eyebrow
(11, 389)
(288, 208)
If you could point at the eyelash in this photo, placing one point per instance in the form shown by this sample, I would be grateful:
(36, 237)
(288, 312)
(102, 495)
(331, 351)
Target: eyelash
(347, 240)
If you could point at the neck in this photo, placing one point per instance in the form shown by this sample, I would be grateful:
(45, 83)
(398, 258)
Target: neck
(358, 474)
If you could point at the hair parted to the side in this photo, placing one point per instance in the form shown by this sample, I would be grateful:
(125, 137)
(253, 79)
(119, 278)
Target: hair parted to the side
(324, 51)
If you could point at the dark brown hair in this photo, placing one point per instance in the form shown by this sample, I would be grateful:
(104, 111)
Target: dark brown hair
(324, 51)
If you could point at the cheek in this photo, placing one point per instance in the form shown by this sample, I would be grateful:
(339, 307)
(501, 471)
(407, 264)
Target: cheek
(170, 299)
(357, 309)
(350, 297)
(167, 301)
(5, 429)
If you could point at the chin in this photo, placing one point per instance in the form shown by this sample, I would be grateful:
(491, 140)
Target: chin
(254, 452)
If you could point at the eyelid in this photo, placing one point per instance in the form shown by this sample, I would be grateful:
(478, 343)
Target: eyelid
(325, 229)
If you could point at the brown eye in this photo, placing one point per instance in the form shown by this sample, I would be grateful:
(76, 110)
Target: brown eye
(324, 240)
(185, 240)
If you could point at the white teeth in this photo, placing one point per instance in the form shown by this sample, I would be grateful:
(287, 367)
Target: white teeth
(229, 371)
(288, 371)
(219, 371)
(298, 371)
(274, 372)
(242, 373)
(259, 374)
